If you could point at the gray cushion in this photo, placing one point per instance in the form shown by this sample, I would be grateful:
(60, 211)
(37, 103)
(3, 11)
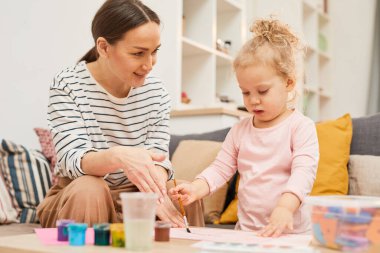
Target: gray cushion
(364, 171)
(218, 135)
(366, 135)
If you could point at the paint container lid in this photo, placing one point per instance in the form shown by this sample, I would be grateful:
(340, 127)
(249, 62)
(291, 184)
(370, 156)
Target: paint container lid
(117, 227)
(77, 226)
(102, 226)
(346, 201)
(64, 222)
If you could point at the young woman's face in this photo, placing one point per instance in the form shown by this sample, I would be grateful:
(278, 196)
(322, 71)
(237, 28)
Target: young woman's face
(265, 93)
(132, 58)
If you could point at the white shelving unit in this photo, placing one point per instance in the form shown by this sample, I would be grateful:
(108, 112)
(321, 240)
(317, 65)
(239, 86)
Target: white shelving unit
(190, 62)
(198, 68)
(317, 81)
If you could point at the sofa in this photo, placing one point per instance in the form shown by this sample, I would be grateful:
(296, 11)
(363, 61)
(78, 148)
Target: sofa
(199, 150)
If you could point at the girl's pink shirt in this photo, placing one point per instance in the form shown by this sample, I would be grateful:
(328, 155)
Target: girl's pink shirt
(270, 161)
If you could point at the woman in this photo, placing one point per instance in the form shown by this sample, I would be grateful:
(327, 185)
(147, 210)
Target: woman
(110, 122)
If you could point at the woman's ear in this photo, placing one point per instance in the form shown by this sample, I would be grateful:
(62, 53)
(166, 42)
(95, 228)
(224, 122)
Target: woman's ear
(102, 46)
(290, 83)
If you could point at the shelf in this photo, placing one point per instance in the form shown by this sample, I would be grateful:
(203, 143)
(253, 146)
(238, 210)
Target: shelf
(324, 18)
(308, 7)
(311, 49)
(229, 5)
(223, 59)
(324, 95)
(191, 48)
(209, 111)
(324, 56)
(310, 89)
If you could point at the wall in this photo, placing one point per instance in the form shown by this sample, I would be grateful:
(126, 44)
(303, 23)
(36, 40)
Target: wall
(38, 38)
(352, 37)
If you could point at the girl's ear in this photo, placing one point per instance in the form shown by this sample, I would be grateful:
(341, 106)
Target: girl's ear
(290, 83)
(102, 46)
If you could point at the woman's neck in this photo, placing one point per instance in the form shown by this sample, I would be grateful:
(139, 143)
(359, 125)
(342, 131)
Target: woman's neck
(107, 79)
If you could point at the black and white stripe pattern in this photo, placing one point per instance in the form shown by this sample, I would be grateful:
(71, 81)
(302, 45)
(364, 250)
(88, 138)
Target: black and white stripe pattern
(83, 117)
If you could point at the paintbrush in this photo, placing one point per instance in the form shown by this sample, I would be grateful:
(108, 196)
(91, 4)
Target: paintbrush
(182, 211)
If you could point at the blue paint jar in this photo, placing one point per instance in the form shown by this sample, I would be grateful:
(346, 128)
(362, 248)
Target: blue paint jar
(102, 234)
(63, 233)
(77, 234)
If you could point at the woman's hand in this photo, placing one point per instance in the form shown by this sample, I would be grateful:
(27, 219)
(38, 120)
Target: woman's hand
(166, 211)
(138, 165)
(280, 219)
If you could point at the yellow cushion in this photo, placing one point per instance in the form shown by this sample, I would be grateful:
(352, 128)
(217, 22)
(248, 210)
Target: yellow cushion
(230, 214)
(334, 138)
(189, 159)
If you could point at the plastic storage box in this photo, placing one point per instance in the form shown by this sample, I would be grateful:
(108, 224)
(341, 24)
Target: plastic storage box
(348, 223)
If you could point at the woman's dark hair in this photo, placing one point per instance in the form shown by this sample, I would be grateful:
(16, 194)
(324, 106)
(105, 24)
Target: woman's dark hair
(114, 19)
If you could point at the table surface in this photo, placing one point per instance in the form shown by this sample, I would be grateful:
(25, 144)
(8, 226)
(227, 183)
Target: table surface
(30, 243)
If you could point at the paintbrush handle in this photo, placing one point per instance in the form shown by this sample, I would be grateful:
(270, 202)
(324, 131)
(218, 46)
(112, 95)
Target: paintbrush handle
(180, 202)
(182, 210)
(181, 207)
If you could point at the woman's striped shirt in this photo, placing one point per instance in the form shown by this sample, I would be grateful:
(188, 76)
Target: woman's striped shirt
(83, 117)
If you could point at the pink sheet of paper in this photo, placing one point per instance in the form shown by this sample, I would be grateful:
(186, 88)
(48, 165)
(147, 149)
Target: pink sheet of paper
(237, 236)
(48, 236)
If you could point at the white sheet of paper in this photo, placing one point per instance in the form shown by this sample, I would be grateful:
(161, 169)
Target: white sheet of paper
(237, 236)
(251, 248)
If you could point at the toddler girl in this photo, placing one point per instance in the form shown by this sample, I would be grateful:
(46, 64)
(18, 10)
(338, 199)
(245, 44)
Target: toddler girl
(275, 150)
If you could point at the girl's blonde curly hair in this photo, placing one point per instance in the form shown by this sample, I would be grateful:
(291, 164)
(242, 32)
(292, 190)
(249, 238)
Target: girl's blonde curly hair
(273, 43)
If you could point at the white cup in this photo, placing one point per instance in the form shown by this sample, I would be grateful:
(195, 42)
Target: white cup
(139, 213)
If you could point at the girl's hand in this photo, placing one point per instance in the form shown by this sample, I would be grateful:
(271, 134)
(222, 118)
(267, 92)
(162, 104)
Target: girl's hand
(138, 165)
(280, 219)
(186, 192)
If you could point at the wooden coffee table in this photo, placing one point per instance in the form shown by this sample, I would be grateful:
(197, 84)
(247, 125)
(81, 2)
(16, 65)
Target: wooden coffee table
(31, 244)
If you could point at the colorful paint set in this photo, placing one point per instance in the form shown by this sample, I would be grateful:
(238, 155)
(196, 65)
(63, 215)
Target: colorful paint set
(349, 223)
(104, 233)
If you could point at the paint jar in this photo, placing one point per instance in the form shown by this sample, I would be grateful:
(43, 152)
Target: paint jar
(347, 223)
(117, 235)
(102, 234)
(77, 234)
(63, 233)
(162, 231)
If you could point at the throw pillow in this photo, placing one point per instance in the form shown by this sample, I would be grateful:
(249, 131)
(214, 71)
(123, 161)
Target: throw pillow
(229, 216)
(366, 137)
(364, 171)
(8, 213)
(27, 176)
(47, 148)
(218, 135)
(334, 138)
(189, 159)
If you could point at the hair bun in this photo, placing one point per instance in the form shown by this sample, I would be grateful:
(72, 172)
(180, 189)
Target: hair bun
(274, 32)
